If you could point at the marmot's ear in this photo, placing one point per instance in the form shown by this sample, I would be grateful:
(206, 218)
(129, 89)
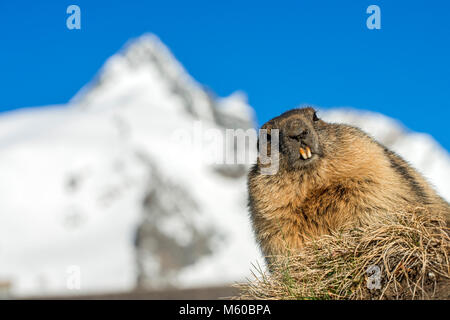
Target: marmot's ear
(315, 117)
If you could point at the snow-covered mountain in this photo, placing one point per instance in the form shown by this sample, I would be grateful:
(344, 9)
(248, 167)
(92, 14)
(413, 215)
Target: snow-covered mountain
(105, 185)
(113, 188)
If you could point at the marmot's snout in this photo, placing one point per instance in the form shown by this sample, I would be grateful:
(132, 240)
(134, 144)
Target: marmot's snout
(298, 137)
(299, 142)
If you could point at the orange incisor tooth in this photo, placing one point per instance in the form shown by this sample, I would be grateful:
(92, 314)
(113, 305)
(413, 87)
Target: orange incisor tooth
(303, 153)
(308, 152)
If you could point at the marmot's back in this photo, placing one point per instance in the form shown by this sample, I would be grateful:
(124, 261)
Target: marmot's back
(329, 176)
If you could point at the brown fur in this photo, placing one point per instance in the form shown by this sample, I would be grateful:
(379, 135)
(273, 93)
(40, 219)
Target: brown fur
(350, 178)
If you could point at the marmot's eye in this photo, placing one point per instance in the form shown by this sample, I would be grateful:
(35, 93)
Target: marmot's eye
(315, 118)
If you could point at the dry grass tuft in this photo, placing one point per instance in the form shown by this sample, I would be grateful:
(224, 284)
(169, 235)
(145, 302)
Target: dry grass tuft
(409, 249)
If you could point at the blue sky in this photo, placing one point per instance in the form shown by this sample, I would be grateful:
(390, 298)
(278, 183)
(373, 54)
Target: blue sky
(281, 53)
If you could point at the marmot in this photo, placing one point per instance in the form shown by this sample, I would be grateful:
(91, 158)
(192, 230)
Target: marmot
(329, 175)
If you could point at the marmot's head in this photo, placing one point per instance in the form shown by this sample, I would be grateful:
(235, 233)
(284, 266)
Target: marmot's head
(300, 143)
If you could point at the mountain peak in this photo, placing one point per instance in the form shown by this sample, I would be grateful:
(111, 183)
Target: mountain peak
(145, 54)
(144, 71)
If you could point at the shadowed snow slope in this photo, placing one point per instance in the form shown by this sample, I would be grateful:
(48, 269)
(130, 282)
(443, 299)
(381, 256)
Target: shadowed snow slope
(109, 183)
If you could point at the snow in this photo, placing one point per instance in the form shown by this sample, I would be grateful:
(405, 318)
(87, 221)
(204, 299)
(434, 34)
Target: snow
(73, 177)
